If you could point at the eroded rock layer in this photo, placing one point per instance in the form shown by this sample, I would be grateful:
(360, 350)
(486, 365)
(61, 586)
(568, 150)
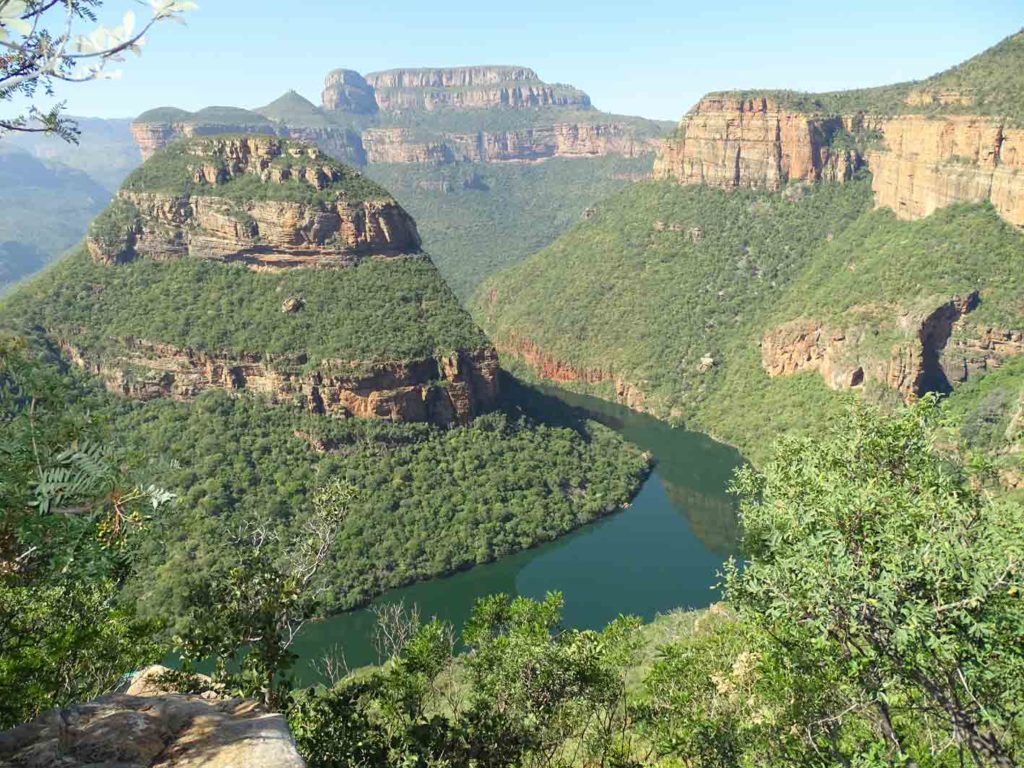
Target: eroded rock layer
(443, 390)
(930, 350)
(918, 163)
(403, 115)
(205, 218)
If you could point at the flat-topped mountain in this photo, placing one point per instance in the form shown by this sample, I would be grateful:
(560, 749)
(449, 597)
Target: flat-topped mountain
(955, 137)
(265, 201)
(467, 114)
(257, 263)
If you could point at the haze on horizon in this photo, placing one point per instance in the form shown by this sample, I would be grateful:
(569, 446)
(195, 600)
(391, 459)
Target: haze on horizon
(653, 59)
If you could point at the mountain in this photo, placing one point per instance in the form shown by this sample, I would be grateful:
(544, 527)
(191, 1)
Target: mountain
(104, 149)
(254, 319)
(492, 162)
(272, 206)
(44, 209)
(437, 116)
(792, 246)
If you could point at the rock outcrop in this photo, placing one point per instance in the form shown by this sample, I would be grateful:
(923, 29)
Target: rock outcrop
(157, 731)
(929, 163)
(931, 350)
(400, 145)
(338, 142)
(203, 218)
(445, 390)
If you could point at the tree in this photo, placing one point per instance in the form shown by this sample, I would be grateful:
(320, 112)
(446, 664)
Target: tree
(69, 515)
(43, 42)
(879, 570)
(257, 608)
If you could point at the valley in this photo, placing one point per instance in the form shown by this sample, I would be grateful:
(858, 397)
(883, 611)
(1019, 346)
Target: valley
(452, 422)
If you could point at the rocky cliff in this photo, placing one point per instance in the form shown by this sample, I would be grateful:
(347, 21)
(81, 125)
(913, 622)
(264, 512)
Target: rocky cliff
(469, 88)
(930, 350)
(279, 207)
(444, 390)
(308, 210)
(475, 114)
(732, 141)
(953, 138)
(400, 145)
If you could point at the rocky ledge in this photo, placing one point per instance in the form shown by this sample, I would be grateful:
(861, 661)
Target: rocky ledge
(265, 201)
(445, 390)
(150, 728)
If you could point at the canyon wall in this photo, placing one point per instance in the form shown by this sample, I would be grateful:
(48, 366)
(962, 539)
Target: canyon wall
(402, 116)
(930, 350)
(398, 145)
(443, 390)
(469, 88)
(750, 142)
(918, 163)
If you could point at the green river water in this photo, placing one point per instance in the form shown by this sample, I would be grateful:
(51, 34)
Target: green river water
(663, 552)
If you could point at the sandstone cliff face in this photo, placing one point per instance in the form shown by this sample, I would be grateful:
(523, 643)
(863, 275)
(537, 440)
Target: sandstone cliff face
(931, 163)
(918, 163)
(732, 142)
(444, 390)
(340, 143)
(265, 233)
(347, 91)
(366, 119)
(936, 349)
(397, 145)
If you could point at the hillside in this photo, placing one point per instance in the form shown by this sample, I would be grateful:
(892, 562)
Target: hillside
(764, 271)
(44, 209)
(251, 318)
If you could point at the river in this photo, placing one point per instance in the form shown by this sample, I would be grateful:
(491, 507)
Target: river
(663, 552)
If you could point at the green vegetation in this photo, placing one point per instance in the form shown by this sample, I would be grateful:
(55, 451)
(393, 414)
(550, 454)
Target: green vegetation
(294, 110)
(665, 275)
(876, 623)
(987, 84)
(476, 219)
(377, 311)
(430, 501)
(70, 518)
(172, 169)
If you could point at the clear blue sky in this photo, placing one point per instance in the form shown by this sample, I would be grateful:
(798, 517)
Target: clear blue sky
(648, 57)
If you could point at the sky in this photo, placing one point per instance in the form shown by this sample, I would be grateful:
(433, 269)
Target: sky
(646, 57)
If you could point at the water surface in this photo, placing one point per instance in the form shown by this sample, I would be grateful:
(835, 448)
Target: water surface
(663, 552)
